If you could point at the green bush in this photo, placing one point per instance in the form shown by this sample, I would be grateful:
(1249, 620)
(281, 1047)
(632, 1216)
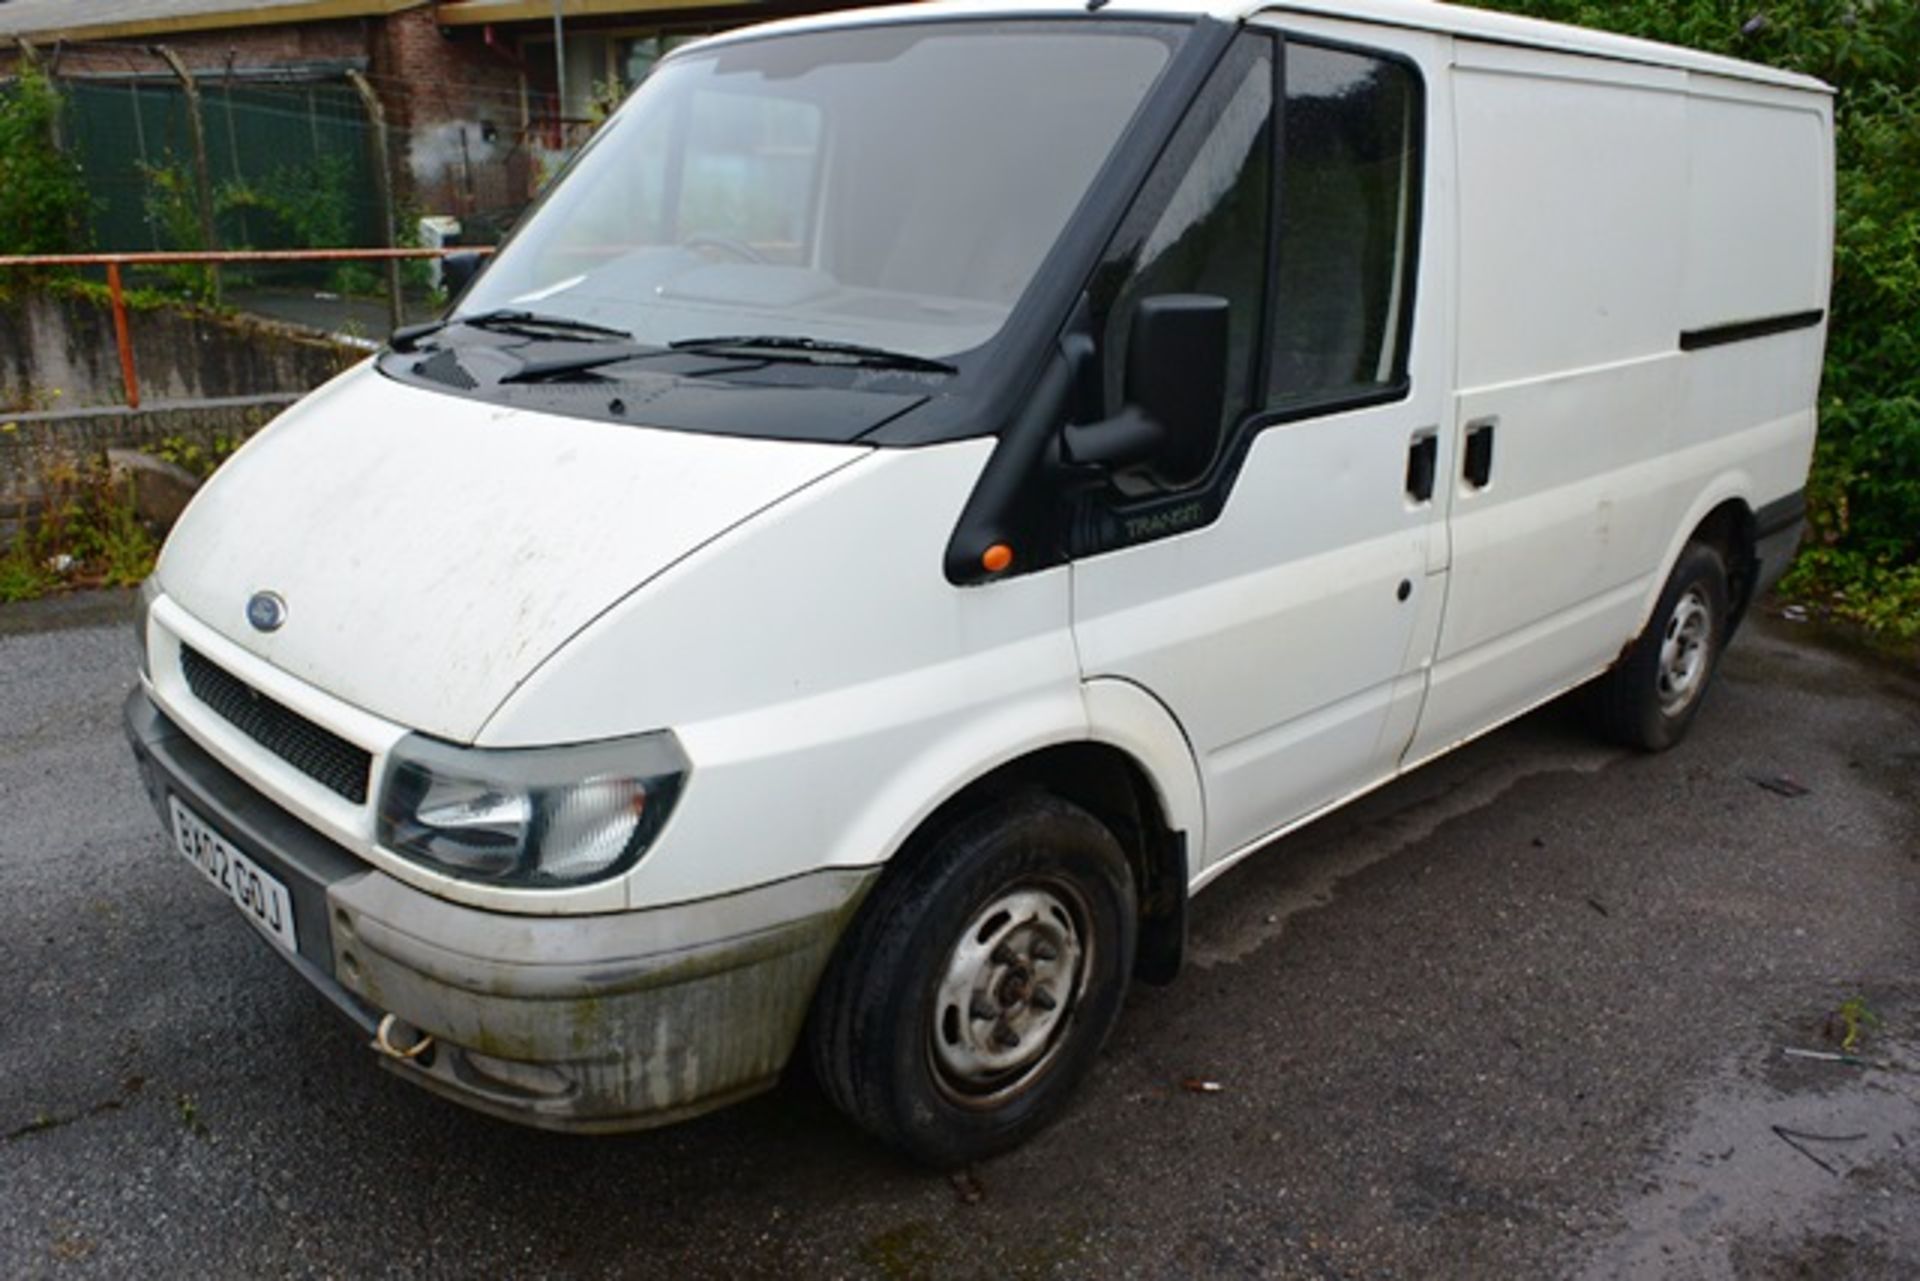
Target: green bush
(172, 202)
(43, 202)
(1864, 561)
(313, 205)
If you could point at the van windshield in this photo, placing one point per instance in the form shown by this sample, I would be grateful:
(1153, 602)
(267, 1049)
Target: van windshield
(894, 187)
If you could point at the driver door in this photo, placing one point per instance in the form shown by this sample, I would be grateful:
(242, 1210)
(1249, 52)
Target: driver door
(1284, 605)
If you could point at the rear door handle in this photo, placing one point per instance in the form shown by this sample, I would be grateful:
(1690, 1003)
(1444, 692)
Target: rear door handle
(1477, 465)
(1423, 456)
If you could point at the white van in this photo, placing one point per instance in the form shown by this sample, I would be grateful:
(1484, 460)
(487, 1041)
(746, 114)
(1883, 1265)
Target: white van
(932, 488)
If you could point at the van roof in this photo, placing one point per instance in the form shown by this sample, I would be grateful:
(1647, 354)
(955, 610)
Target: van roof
(1422, 15)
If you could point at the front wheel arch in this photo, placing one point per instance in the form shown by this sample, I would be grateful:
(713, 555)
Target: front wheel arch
(886, 1033)
(1113, 786)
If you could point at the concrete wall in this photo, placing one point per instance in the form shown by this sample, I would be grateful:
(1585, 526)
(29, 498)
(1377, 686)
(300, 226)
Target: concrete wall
(202, 375)
(57, 352)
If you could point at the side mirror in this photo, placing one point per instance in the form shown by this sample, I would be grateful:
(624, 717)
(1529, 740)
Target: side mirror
(457, 272)
(1177, 375)
(1176, 389)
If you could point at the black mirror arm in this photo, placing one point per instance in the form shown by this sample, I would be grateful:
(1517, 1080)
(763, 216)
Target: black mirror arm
(1128, 438)
(457, 272)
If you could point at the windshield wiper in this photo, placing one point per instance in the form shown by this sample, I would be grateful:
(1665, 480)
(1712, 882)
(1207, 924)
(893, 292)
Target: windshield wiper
(820, 351)
(512, 319)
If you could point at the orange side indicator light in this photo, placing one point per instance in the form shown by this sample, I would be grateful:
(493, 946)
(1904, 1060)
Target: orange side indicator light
(996, 558)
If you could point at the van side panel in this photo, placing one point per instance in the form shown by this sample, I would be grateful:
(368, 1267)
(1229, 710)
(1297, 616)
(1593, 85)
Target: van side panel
(1759, 245)
(1571, 256)
(1758, 204)
(1571, 174)
(1644, 267)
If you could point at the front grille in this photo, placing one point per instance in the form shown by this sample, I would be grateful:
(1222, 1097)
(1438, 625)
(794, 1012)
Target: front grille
(320, 754)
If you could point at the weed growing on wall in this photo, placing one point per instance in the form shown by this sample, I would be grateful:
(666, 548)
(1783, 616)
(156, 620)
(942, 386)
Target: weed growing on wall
(43, 202)
(200, 458)
(84, 532)
(1863, 561)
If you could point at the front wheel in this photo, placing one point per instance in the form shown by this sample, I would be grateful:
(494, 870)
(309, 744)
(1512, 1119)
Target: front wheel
(978, 983)
(1651, 696)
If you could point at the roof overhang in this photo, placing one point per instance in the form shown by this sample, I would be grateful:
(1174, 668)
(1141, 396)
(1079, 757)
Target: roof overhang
(224, 15)
(475, 13)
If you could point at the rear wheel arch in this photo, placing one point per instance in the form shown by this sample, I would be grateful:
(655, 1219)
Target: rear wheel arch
(1730, 529)
(1649, 699)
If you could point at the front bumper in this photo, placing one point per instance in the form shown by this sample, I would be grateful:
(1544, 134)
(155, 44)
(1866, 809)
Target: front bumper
(586, 1023)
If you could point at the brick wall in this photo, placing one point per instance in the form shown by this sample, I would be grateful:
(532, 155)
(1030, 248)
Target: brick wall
(211, 52)
(454, 104)
(468, 138)
(459, 108)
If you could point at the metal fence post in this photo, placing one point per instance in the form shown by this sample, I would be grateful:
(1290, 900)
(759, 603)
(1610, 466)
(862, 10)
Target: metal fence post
(203, 178)
(122, 336)
(31, 54)
(383, 189)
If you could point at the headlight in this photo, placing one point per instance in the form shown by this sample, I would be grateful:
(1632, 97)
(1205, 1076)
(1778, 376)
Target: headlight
(142, 610)
(529, 817)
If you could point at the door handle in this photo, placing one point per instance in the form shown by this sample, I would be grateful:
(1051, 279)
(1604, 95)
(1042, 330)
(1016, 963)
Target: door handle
(1423, 456)
(1477, 465)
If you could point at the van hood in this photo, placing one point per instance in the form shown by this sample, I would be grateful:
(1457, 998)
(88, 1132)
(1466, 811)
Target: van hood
(433, 551)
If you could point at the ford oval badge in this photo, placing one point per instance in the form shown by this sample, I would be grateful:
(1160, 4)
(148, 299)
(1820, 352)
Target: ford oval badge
(266, 611)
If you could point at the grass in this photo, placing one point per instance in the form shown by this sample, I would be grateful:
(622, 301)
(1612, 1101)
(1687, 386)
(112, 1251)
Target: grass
(1880, 598)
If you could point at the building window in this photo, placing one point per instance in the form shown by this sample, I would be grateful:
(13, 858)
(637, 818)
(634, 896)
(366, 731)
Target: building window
(637, 54)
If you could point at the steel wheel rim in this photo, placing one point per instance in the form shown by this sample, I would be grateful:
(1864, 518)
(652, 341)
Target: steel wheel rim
(1007, 992)
(1685, 648)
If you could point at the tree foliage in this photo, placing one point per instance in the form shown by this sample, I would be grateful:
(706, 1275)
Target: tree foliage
(1865, 491)
(43, 201)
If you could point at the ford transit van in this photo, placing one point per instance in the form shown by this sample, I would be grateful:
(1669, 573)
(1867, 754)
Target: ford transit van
(930, 489)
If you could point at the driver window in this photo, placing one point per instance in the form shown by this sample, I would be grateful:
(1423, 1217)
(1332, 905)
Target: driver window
(1208, 233)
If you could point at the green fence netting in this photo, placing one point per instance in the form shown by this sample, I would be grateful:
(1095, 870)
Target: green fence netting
(289, 166)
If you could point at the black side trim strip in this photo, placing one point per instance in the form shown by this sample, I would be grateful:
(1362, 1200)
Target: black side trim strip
(1782, 513)
(1744, 330)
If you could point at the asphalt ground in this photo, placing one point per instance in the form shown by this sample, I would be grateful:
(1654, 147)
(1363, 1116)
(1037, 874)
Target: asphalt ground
(359, 318)
(1522, 1013)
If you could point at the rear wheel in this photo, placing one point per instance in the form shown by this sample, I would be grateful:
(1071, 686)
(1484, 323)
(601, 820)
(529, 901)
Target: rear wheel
(1651, 696)
(979, 982)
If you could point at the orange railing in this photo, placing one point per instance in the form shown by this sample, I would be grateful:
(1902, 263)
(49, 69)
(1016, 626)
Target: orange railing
(116, 293)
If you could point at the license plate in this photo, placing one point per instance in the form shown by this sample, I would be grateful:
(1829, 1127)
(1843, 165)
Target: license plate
(260, 898)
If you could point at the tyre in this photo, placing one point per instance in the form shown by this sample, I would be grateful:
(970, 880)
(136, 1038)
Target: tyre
(979, 981)
(1651, 696)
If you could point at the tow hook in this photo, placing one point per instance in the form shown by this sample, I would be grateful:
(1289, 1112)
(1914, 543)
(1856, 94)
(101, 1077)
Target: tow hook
(418, 1042)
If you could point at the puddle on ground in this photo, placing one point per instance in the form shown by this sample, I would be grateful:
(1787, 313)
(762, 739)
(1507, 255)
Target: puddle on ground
(1759, 1175)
